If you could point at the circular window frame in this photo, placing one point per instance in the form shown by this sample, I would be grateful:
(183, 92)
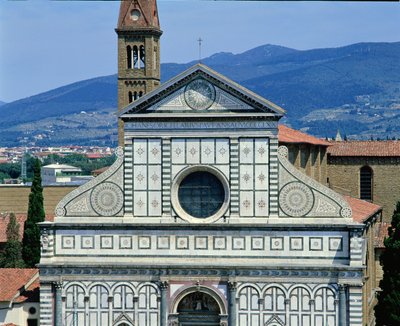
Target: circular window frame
(175, 198)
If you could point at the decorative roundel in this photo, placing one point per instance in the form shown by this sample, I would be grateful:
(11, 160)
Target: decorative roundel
(283, 151)
(199, 94)
(346, 212)
(107, 199)
(60, 211)
(296, 199)
(119, 151)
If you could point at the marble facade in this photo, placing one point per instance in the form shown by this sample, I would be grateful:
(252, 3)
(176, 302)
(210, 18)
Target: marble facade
(278, 248)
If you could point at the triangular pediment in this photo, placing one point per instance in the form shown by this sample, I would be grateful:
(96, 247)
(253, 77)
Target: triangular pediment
(201, 90)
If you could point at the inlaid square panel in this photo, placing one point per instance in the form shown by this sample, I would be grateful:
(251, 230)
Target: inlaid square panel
(155, 203)
(163, 242)
(246, 177)
(222, 151)
(219, 243)
(261, 203)
(261, 150)
(296, 243)
(154, 151)
(140, 177)
(139, 151)
(144, 242)
(261, 173)
(154, 177)
(182, 242)
(276, 243)
(178, 151)
(335, 244)
(257, 243)
(106, 242)
(246, 153)
(192, 151)
(201, 243)
(238, 243)
(125, 242)
(140, 203)
(87, 242)
(67, 242)
(246, 203)
(316, 243)
(207, 151)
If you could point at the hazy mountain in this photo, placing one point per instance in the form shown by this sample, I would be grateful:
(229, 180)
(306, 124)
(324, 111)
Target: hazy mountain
(355, 88)
(2, 103)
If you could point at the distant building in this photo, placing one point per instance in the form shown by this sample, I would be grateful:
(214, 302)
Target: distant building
(61, 173)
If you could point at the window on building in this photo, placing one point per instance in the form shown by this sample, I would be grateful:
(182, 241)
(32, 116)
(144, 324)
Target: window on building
(135, 57)
(366, 176)
(130, 97)
(129, 56)
(142, 57)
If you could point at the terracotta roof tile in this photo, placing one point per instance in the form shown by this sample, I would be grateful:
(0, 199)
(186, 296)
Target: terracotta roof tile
(21, 218)
(362, 210)
(381, 234)
(386, 148)
(289, 135)
(13, 280)
(31, 293)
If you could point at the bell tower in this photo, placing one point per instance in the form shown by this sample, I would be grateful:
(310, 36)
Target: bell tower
(138, 52)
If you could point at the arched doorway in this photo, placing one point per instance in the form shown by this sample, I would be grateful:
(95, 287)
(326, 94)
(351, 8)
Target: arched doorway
(198, 309)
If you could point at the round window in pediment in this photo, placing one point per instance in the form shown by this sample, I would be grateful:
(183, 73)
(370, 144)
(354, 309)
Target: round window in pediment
(135, 14)
(200, 194)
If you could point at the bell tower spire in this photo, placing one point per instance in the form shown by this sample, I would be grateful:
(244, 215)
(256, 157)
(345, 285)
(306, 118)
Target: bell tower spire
(139, 34)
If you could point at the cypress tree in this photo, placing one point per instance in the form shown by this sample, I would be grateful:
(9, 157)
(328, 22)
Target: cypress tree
(12, 255)
(387, 311)
(31, 239)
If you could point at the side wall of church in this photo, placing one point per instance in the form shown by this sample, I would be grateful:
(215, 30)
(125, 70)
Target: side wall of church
(309, 159)
(344, 177)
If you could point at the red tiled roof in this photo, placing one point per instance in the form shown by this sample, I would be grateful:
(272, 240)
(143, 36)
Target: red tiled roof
(14, 280)
(382, 233)
(100, 171)
(31, 293)
(95, 155)
(21, 221)
(365, 148)
(289, 135)
(362, 210)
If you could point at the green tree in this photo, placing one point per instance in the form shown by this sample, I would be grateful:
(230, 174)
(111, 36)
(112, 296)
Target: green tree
(387, 311)
(12, 255)
(31, 239)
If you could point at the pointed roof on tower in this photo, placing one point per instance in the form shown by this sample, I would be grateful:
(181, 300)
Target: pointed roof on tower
(137, 14)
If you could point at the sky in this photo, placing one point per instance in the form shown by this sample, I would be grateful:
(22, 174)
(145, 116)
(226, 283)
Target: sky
(47, 44)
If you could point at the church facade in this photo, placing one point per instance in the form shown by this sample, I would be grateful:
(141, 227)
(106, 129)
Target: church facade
(202, 219)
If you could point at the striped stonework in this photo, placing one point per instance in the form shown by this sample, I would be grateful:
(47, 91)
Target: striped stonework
(46, 304)
(355, 306)
(234, 176)
(128, 176)
(166, 176)
(273, 177)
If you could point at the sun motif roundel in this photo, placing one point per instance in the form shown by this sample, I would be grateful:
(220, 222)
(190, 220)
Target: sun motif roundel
(199, 94)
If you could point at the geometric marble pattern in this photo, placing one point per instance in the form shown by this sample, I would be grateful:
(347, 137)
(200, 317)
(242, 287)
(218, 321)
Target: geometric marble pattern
(147, 177)
(254, 177)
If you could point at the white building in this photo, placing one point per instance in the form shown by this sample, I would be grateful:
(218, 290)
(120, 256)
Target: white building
(62, 174)
(202, 220)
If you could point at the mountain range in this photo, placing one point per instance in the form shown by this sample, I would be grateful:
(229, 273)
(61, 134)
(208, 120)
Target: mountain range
(354, 89)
